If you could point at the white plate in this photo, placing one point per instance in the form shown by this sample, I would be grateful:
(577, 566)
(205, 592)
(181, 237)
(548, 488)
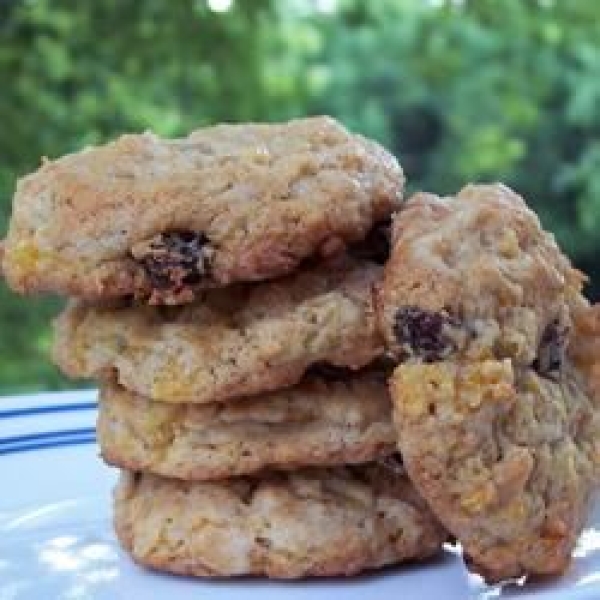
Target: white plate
(56, 540)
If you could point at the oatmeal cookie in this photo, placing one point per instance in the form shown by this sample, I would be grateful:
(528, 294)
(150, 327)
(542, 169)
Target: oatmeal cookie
(237, 341)
(313, 522)
(161, 219)
(497, 421)
(317, 422)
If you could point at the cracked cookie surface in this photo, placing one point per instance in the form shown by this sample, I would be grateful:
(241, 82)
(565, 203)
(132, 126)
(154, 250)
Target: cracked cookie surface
(313, 522)
(233, 342)
(494, 404)
(161, 219)
(316, 422)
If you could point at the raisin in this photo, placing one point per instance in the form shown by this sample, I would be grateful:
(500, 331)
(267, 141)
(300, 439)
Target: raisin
(423, 334)
(376, 246)
(175, 259)
(551, 350)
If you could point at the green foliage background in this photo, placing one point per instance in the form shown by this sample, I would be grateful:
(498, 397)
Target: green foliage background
(460, 91)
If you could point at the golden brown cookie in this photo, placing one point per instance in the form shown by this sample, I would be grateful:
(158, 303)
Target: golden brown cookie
(161, 219)
(497, 424)
(237, 341)
(320, 421)
(314, 522)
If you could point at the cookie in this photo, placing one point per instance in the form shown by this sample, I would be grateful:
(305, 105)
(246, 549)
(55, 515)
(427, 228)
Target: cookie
(161, 219)
(314, 522)
(238, 341)
(317, 422)
(497, 423)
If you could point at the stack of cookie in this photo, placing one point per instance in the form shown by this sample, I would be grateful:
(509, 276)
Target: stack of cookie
(223, 298)
(235, 300)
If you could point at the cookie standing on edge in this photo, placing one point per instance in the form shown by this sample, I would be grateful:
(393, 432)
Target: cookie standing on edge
(313, 522)
(161, 219)
(497, 425)
(233, 342)
(317, 422)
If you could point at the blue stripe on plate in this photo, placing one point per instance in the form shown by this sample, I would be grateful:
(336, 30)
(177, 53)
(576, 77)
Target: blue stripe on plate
(46, 435)
(40, 410)
(30, 406)
(57, 443)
